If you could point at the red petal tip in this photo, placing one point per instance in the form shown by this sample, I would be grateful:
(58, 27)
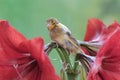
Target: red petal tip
(4, 23)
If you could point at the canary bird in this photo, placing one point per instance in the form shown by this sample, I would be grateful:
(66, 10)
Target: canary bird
(60, 34)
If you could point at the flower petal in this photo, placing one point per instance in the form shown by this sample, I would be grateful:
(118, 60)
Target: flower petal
(10, 41)
(22, 59)
(97, 34)
(10, 53)
(10, 35)
(107, 63)
(36, 47)
(94, 28)
(109, 31)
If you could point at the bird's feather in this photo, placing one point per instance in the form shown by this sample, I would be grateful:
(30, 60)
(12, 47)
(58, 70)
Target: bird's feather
(64, 27)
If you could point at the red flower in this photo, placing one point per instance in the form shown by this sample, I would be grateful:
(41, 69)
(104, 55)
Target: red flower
(97, 33)
(22, 59)
(107, 63)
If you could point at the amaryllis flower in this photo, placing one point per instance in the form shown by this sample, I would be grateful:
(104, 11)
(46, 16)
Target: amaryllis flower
(107, 63)
(22, 59)
(97, 34)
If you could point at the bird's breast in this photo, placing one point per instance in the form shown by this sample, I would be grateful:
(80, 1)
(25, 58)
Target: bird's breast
(56, 33)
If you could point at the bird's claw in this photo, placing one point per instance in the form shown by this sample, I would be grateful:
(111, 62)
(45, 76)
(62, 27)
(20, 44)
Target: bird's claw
(54, 42)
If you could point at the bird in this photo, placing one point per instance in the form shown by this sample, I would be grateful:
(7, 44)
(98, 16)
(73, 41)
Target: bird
(61, 35)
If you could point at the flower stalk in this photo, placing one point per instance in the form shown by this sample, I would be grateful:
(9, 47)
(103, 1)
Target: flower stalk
(69, 71)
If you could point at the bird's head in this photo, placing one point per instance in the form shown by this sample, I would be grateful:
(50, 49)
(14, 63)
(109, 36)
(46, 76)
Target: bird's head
(51, 23)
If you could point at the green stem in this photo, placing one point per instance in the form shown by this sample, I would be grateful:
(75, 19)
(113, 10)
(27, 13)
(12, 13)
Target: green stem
(72, 76)
(76, 67)
(60, 54)
(72, 71)
(66, 55)
(76, 71)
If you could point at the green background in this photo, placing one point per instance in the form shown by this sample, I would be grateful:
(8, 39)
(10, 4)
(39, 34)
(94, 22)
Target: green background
(29, 16)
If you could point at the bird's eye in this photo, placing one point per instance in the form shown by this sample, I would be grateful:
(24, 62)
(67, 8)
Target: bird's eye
(53, 22)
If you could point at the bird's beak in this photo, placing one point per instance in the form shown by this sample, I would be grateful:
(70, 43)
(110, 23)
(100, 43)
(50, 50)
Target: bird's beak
(49, 26)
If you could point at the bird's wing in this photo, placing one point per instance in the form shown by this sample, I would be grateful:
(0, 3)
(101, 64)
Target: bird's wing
(72, 39)
(68, 35)
(64, 28)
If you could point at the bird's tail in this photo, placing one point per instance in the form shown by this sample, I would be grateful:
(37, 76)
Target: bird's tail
(85, 60)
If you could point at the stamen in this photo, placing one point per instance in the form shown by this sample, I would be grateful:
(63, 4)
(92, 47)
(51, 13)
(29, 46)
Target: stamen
(16, 66)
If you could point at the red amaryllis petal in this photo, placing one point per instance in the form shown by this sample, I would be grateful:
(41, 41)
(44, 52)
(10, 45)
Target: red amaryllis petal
(46, 70)
(94, 28)
(93, 33)
(97, 31)
(10, 54)
(97, 34)
(19, 57)
(109, 31)
(107, 63)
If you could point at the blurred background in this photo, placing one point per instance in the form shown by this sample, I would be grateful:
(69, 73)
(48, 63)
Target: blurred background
(29, 16)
